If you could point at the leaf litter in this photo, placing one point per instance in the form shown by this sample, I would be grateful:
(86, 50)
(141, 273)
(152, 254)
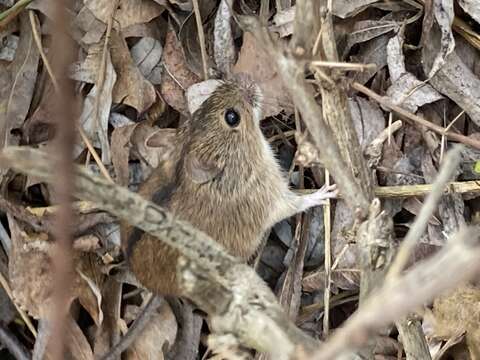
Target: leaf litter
(152, 81)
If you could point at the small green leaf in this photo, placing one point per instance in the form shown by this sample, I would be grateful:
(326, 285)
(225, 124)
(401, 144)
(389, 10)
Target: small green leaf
(476, 167)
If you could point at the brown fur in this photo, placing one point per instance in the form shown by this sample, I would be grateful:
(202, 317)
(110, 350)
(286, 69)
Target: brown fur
(246, 195)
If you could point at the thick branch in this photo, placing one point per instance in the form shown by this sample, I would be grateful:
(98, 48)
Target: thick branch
(238, 301)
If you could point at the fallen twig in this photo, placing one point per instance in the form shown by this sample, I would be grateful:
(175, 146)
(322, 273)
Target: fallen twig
(12, 344)
(415, 118)
(135, 329)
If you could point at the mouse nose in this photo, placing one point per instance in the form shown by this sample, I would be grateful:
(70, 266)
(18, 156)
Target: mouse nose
(251, 92)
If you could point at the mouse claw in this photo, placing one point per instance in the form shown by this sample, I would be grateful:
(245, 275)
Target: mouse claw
(319, 197)
(326, 192)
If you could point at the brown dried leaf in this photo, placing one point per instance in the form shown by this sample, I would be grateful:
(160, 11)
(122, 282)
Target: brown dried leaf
(367, 119)
(30, 270)
(347, 8)
(198, 93)
(87, 69)
(454, 79)
(131, 87)
(92, 28)
(89, 290)
(188, 36)
(94, 121)
(254, 61)
(128, 12)
(158, 336)
(224, 48)
(443, 14)
(146, 54)
(371, 52)
(178, 76)
(406, 90)
(451, 207)
(121, 152)
(367, 30)
(18, 83)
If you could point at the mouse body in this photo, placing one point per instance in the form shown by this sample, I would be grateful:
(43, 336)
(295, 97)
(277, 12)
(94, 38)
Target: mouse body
(223, 178)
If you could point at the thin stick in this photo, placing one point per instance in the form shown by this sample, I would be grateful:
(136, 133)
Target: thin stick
(344, 65)
(328, 259)
(9, 14)
(22, 313)
(201, 38)
(38, 42)
(13, 345)
(95, 155)
(65, 116)
(135, 329)
(420, 225)
(415, 118)
(456, 187)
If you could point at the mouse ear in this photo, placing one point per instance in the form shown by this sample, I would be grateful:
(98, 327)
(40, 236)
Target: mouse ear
(200, 171)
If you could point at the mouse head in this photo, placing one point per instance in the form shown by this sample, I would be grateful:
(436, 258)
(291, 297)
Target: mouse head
(233, 107)
(224, 133)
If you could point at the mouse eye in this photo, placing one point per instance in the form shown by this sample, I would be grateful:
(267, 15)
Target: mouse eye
(232, 118)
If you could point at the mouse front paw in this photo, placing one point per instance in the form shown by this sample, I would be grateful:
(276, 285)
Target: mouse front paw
(320, 196)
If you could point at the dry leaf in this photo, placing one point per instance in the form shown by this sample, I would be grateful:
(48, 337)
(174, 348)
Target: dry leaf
(367, 118)
(8, 47)
(443, 14)
(347, 8)
(128, 12)
(146, 54)
(178, 76)
(367, 30)
(454, 79)
(131, 87)
(30, 271)
(224, 48)
(198, 93)
(254, 61)
(158, 336)
(121, 151)
(371, 52)
(188, 36)
(406, 90)
(451, 207)
(283, 22)
(89, 290)
(94, 120)
(472, 8)
(87, 69)
(18, 83)
(92, 28)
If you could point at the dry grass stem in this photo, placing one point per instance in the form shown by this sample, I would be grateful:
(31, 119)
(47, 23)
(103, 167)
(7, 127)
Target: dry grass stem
(417, 119)
(419, 226)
